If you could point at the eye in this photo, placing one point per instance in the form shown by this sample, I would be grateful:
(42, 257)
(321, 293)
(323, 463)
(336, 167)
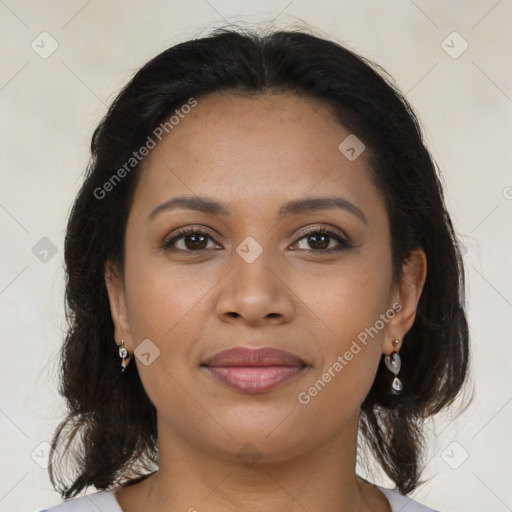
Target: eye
(321, 239)
(191, 240)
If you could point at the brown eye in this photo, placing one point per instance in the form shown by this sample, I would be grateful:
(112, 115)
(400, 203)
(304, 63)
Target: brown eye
(190, 240)
(323, 240)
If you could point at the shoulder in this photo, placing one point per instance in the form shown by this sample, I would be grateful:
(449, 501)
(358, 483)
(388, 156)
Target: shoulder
(102, 500)
(402, 503)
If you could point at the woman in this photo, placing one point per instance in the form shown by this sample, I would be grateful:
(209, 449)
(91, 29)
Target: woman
(260, 272)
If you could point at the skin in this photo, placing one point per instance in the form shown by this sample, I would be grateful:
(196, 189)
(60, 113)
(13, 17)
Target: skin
(253, 155)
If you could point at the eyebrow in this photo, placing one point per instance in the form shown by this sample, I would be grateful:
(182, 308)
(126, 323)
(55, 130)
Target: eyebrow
(212, 207)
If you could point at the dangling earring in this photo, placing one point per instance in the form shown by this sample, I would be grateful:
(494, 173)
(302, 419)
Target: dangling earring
(123, 354)
(393, 364)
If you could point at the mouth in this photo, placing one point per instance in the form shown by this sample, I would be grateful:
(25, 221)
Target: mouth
(254, 370)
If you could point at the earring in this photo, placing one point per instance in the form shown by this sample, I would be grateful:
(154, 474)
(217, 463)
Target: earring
(123, 354)
(393, 364)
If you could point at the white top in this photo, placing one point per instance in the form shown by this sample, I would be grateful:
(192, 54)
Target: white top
(106, 502)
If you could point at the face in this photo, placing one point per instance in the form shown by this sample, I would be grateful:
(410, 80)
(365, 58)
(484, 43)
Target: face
(258, 267)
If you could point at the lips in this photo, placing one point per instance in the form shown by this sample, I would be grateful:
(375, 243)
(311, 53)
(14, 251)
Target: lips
(253, 370)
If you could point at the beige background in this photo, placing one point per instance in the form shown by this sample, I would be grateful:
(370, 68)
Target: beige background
(51, 105)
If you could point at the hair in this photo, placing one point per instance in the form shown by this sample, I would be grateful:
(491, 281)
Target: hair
(109, 434)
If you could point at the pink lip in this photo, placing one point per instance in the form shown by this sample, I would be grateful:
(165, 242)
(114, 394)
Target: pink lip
(254, 370)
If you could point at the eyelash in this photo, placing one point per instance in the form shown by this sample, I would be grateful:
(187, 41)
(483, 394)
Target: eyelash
(182, 233)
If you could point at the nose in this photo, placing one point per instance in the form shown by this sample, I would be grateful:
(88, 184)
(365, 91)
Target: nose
(255, 293)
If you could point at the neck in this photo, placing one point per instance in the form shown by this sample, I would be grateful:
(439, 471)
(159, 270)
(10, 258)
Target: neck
(317, 479)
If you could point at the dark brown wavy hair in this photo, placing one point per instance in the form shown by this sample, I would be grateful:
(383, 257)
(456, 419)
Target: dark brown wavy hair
(109, 435)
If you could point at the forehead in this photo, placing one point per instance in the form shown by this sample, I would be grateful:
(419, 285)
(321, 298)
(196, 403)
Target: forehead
(266, 148)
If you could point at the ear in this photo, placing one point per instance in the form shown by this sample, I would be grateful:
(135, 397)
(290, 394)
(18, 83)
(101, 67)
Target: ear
(405, 298)
(118, 309)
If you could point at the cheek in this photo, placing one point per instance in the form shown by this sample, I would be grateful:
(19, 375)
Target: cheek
(165, 304)
(350, 298)
(164, 298)
(354, 313)
(350, 350)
